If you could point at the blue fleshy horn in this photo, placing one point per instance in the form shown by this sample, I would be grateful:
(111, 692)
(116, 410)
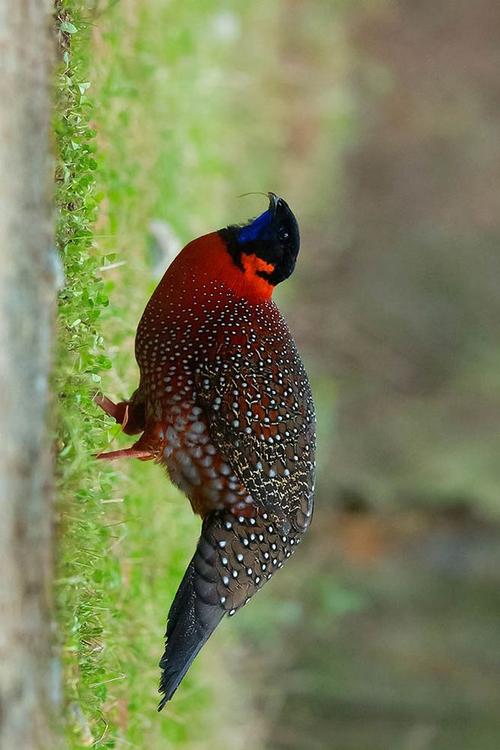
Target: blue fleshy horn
(258, 228)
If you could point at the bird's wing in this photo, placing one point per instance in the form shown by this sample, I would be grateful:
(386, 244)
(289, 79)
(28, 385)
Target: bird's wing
(260, 415)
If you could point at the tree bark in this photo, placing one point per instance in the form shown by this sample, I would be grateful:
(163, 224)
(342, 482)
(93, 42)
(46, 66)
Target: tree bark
(27, 296)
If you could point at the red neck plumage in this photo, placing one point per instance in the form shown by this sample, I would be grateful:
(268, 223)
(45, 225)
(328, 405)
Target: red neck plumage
(208, 257)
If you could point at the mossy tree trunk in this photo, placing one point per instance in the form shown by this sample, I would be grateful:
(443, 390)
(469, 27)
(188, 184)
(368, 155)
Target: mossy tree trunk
(27, 295)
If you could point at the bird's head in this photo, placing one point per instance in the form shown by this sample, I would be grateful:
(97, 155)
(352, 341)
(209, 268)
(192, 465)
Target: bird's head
(265, 249)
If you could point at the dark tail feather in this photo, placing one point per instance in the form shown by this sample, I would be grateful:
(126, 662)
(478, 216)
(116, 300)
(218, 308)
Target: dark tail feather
(235, 556)
(195, 613)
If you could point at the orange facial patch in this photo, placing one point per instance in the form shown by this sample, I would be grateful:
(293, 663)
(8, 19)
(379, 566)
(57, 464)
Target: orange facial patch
(252, 265)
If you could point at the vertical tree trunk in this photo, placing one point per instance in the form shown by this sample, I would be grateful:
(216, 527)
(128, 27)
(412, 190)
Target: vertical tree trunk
(27, 294)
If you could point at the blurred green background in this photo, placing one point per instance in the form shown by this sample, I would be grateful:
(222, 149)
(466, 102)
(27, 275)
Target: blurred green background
(378, 121)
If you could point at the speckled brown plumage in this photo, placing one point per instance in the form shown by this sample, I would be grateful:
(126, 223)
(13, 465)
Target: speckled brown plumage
(225, 404)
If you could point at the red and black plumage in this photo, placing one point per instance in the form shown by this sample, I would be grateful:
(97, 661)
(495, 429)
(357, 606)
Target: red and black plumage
(225, 404)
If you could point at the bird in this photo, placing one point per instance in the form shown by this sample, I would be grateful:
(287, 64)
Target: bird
(225, 404)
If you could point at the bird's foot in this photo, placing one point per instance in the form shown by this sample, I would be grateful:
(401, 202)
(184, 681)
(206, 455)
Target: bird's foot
(133, 452)
(130, 414)
(119, 411)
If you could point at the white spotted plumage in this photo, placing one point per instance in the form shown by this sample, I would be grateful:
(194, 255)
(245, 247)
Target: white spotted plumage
(225, 404)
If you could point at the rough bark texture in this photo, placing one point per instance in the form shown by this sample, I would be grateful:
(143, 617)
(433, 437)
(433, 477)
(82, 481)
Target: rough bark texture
(27, 294)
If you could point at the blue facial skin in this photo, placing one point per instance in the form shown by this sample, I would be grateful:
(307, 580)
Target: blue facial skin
(259, 229)
(272, 236)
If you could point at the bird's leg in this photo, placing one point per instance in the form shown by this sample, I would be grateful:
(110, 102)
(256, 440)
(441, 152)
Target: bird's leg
(149, 446)
(143, 453)
(119, 411)
(130, 414)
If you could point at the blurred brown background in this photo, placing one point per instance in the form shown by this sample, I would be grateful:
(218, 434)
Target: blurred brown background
(386, 634)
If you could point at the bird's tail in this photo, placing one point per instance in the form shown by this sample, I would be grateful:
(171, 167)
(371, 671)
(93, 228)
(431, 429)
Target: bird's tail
(235, 556)
(195, 613)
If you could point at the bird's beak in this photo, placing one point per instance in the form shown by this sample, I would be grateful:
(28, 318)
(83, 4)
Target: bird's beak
(273, 202)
